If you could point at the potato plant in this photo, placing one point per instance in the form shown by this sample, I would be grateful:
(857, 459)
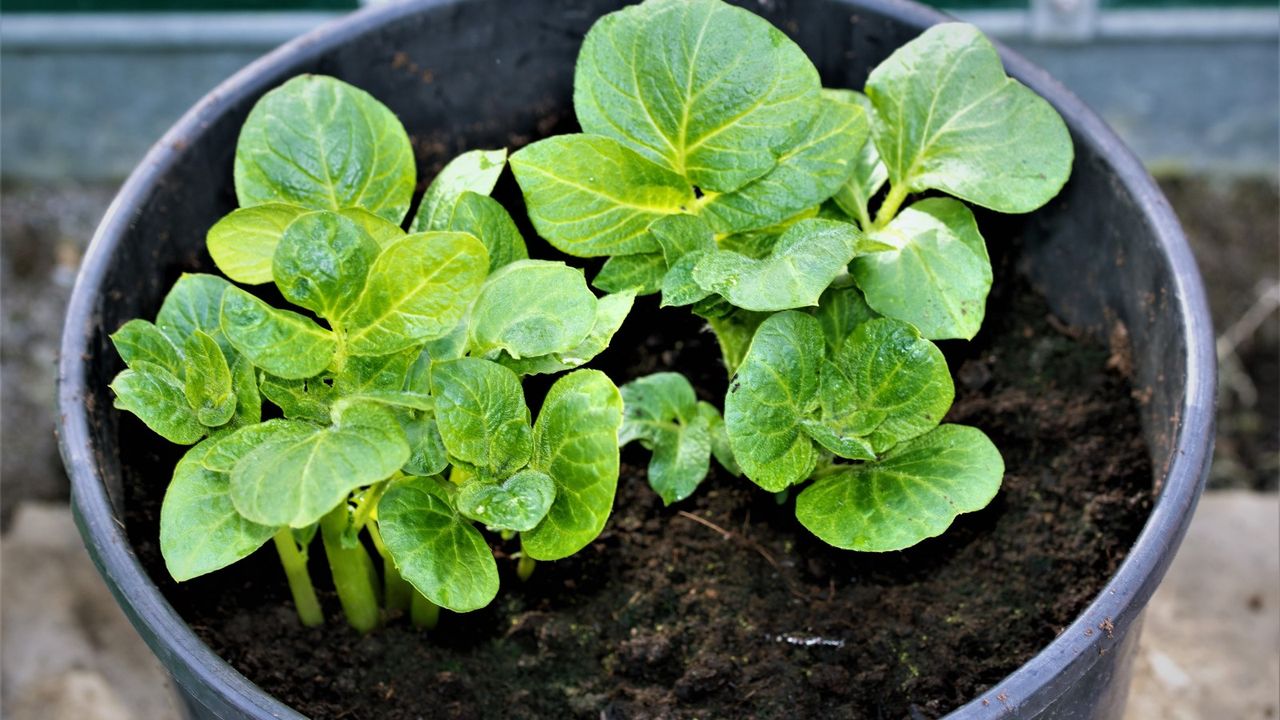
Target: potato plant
(824, 235)
(386, 409)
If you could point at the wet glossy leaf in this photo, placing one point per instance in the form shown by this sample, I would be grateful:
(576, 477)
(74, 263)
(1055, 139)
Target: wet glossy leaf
(841, 309)
(481, 412)
(281, 342)
(368, 373)
(194, 303)
(427, 455)
(475, 171)
(243, 242)
(307, 399)
(140, 341)
(158, 399)
(611, 311)
(486, 219)
(518, 504)
(208, 384)
(321, 263)
(642, 272)
(226, 451)
(531, 308)
(663, 414)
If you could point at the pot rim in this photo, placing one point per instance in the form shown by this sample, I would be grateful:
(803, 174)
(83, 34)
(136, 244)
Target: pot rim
(1027, 690)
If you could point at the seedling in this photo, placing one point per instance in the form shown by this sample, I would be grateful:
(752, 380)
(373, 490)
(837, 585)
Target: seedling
(715, 169)
(400, 420)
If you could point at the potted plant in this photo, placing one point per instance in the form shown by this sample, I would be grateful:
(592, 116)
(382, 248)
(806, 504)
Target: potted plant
(162, 216)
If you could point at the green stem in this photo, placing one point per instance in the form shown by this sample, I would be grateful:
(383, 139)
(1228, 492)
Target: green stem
(295, 569)
(424, 613)
(396, 591)
(352, 570)
(525, 566)
(889, 208)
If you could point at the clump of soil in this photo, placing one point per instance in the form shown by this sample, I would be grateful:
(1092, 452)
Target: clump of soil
(724, 606)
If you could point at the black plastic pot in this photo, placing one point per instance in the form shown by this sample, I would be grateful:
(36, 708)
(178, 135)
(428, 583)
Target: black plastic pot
(487, 73)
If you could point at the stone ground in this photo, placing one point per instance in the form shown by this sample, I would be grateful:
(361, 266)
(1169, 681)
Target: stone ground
(1212, 631)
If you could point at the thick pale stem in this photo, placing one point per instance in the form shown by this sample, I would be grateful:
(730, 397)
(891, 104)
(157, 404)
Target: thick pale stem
(295, 569)
(889, 208)
(424, 613)
(396, 591)
(352, 570)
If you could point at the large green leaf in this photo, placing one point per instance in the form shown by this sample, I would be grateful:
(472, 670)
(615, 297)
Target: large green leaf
(474, 171)
(591, 196)
(663, 414)
(938, 277)
(948, 118)
(809, 172)
(158, 399)
(808, 256)
(435, 548)
(869, 173)
(194, 303)
(486, 219)
(243, 242)
(530, 308)
(318, 142)
(575, 441)
(200, 530)
(483, 419)
(226, 451)
(418, 289)
(141, 341)
(611, 311)
(294, 481)
(708, 90)
(914, 492)
(518, 504)
(321, 263)
(208, 384)
(641, 272)
(776, 386)
(840, 311)
(281, 342)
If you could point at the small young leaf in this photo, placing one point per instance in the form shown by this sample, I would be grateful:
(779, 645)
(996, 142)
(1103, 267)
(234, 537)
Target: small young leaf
(840, 311)
(483, 419)
(320, 143)
(808, 256)
(418, 289)
(611, 310)
(208, 387)
(838, 441)
(869, 173)
(194, 303)
(591, 196)
(888, 378)
(140, 341)
(475, 171)
(427, 455)
(661, 411)
(281, 342)
(200, 530)
(531, 308)
(576, 442)
(679, 235)
(307, 399)
(776, 386)
(518, 504)
(486, 219)
(641, 272)
(680, 286)
(321, 263)
(948, 118)
(244, 382)
(717, 106)
(913, 493)
(436, 549)
(806, 174)
(294, 481)
(939, 277)
(243, 242)
(720, 448)
(158, 399)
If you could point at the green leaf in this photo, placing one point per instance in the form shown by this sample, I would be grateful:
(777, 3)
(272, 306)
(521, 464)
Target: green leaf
(591, 196)
(383, 231)
(913, 493)
(244, 382)
(486, 219)
(948, 118)
(662, 412)
(531, 308)
(227, 450)
(418, 289)
(427, 455)
(734, 332)
(939, 276)
(611, 311)
(307, 399)
(482, 415)
(475, 171)
(869, 173)
(367, 373)
(243, 242)
(194, 303)
(321, 263)
(158, 399)
(294, 481)
(886, 383)
(575, 441)
(776, 386)
(200, 530)
(807, 258)
(318, 142)
(140, 341)
(642, 272)
(838, 441)
(679, 235)
(718, 103)
(208, 387)
(281, 342)
(680, 286)
(518, 504)
(841, 309)
(720, 448)
(806, 174)
(436, 549)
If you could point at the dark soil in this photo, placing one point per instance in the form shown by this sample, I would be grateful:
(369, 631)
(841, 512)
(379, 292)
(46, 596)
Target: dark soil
(724, 606)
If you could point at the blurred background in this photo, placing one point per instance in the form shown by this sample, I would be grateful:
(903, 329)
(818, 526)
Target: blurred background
(1193, 86)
